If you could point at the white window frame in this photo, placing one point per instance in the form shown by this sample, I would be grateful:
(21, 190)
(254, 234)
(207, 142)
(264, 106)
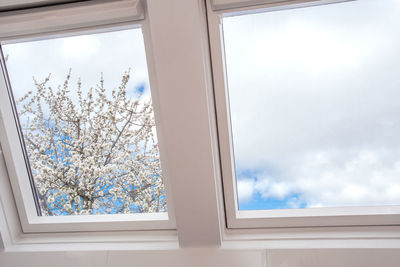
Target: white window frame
(67, 20)
(248, 4)
(316, 217)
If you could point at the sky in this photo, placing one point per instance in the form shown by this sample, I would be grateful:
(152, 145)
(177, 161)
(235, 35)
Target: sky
(315, 101)
(314, 97)
(110, 53)
(88, 56)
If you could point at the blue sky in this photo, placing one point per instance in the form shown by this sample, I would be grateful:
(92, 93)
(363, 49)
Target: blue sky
(259, 203)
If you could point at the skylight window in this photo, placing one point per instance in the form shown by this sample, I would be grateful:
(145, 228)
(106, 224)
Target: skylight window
(86, 121)
(314, 105)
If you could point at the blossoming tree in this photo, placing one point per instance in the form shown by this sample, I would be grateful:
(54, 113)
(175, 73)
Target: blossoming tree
(94, 152)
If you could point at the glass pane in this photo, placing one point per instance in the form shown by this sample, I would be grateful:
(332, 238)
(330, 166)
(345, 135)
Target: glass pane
(315, 103)
(85, 111)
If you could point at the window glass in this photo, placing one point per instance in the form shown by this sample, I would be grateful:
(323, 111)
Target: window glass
(315, 103)
(85, 113)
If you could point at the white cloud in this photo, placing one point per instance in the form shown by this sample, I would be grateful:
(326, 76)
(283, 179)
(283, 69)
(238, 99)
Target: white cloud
(363, 178)
(112, 53)
(268, 188)
(245, 190)
(79, 47)
(314, 96)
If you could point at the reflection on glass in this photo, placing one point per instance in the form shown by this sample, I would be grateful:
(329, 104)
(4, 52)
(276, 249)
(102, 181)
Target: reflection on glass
(315, 101)
(87, 123)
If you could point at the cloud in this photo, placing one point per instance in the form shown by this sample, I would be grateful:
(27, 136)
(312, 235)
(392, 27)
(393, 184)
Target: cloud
(314, 97)
(340, 178)
(245, 189)
(79, 47)
(110, 53)
(363, 178)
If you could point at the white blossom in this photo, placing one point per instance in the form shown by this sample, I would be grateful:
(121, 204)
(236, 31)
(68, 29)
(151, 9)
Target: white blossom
(93, 153)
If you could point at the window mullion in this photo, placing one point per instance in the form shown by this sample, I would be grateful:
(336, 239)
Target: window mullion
(179, 36)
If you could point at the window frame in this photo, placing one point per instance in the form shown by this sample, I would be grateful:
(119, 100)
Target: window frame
(119, 15)
(247, 4)
(246, 219)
